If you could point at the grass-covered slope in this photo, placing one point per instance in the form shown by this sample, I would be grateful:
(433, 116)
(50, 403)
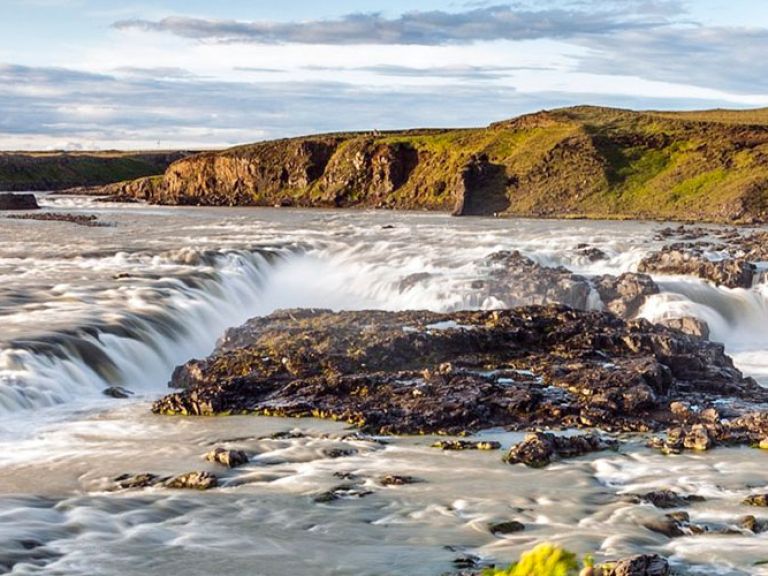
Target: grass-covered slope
(61, 170)
(573, 162)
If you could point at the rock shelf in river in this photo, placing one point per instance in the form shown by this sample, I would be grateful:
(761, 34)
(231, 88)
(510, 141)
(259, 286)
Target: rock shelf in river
(418, 372)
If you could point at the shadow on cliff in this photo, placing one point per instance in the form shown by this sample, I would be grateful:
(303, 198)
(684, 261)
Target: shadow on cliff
(481, 188)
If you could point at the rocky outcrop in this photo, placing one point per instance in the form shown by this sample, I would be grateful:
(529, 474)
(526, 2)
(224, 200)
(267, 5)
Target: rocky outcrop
(423, 372)
(568, 162)
(18, 202)
(730, 272)
(516, 280)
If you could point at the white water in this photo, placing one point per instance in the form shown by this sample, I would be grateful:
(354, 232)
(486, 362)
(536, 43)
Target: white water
(87, 308)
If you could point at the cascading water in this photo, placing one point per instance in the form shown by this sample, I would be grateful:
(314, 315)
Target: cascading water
(82, 310)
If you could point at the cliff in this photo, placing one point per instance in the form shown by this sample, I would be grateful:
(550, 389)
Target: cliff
(38, 171)
(573, 162)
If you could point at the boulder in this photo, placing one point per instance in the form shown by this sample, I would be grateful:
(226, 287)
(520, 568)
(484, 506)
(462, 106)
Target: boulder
(540, 448)
(193, 481)
(10, 201)
(228, 458)
(625, 294)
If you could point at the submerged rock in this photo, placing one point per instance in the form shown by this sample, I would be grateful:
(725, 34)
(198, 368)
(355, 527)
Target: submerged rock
(117, 392)
(396, 480)
(422, 372)
(540, 448)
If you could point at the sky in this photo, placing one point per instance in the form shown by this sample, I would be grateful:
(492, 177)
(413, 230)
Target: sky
(194, 74)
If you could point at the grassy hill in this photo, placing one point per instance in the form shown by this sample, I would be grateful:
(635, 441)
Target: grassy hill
(572, 162)
(61, 170)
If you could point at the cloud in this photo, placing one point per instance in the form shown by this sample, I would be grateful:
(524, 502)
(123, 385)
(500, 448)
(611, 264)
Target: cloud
(725, 58)
(54, 107)
(488, 23)
(459, 72)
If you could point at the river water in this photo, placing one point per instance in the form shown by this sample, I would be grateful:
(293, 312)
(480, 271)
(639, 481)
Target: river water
(84, 308)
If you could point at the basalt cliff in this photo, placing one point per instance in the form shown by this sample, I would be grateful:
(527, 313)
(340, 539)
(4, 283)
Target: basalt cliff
(575, 162)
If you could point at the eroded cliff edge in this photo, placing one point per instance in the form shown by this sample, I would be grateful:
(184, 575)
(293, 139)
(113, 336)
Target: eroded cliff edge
(573, 162)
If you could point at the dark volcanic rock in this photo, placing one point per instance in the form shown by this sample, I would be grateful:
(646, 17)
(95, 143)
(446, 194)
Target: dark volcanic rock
(625, 294)
(688, 325)
(129, 482)
(117, 392)
(540, 448)
(733, 273)
(18, 202)
(669, 499)
(424, 372)
(89, 220)
(517, 280)
(508, 527)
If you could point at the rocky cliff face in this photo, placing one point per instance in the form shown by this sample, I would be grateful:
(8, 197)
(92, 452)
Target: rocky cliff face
(585, 162)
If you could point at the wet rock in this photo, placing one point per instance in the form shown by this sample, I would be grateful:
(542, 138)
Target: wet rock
(396, 480)
(467, 562)
(625, 294)
(193, 481)
(698, 438)
(669, 499)
(517, 280)
(419, 372)
(18, 202)
(749, 523)
(228, 458)
(508, 527)
(640, 565)
(344, 492)
(688, 325)
(467, 445)
(89, 220)
(730, 272)
(339, 452)
(540, 448)
(131, 482)
(117, 392)
(756, 500)
(593, 254)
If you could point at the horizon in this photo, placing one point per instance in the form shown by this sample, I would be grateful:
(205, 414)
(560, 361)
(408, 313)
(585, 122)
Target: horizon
(86, 75)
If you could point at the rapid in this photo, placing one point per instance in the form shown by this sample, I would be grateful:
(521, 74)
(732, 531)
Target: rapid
(83, 309)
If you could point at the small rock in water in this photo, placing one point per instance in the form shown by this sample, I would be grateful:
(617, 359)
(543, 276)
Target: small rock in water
(467, 445)
(751, 523)
(640, 565)
(509, 527)
(538, 449)
(756, 500)
(193, 481)
(228, 458)
(669, 499)
(339, 452)
(698, 439)
(395, 480)
(344, 492)
(117, 392)
(145, 480)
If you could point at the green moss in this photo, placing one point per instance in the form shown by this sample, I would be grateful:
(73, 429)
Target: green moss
(543, 560)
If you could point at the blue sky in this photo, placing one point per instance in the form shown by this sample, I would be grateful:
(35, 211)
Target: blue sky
(99, 74)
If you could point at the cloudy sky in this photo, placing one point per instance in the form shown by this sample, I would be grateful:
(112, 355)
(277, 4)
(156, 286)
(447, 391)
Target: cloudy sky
(99, 74)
